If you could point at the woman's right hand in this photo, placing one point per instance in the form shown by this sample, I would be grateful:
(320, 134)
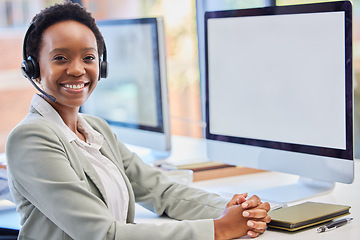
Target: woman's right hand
(247, 217)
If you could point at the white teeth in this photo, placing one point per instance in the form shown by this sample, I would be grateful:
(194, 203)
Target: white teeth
(75, 86)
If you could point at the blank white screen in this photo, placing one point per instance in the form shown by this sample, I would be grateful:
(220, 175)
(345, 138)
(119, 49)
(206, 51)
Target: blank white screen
(278, 78)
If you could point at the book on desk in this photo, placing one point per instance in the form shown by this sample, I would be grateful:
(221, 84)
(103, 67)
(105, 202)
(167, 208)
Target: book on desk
(305, 215)
(211, 170)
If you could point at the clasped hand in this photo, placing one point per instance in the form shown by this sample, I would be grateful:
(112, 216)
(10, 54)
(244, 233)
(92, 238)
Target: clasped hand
(242, 217)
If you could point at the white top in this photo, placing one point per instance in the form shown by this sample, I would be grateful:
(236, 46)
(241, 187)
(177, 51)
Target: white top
(115, 188)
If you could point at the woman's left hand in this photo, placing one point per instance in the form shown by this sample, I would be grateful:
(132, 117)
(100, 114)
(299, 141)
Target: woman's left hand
(255, 210)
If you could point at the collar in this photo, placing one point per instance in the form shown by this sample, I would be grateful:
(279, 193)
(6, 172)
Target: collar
(93, 138)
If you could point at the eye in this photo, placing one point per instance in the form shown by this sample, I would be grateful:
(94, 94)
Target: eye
(59, 58)
(89, 58)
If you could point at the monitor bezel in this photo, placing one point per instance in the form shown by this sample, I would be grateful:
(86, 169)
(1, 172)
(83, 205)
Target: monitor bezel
(344, 6)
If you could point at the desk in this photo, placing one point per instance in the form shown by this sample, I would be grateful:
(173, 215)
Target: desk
(345, 194)
(342, 194)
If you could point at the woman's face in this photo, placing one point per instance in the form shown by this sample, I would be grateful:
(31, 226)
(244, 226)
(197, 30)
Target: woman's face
(69, 63)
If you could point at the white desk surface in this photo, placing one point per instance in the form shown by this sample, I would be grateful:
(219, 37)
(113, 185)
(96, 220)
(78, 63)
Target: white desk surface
(342, 194)
(346, 194)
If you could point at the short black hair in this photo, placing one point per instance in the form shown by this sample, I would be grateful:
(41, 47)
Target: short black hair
(58, 13)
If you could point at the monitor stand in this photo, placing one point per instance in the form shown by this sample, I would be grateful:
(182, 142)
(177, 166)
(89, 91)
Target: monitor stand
(303, 188)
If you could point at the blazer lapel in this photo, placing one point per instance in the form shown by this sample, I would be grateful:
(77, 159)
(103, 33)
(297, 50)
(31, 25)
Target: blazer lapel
(92, 174)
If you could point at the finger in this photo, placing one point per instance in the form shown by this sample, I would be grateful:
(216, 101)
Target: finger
(252, 202)
(241, 198)
(253, 234)
(266, 219)
(265, 206)
(255, 213)
(257, 226)
(237, 199)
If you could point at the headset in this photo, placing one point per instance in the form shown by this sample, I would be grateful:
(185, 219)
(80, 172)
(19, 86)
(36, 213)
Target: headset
(31, 70)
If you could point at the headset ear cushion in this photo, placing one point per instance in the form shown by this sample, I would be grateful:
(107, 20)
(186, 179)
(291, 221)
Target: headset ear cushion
(26, 69)
(30, 68)
(103, 69)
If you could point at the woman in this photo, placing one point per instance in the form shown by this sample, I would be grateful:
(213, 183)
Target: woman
(69, 175)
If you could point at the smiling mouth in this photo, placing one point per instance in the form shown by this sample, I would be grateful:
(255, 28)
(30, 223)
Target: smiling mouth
(75, 86)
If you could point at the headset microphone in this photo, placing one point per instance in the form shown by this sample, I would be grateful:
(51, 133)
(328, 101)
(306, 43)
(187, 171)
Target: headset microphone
(25, 73)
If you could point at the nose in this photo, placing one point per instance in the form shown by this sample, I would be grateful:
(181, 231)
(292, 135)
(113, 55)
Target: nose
(75, 68)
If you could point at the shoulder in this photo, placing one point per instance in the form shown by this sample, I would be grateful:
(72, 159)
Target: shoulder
(33, 135)
(33, 128)
(34, 123)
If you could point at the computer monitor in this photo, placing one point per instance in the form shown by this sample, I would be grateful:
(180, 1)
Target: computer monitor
(279, 93)
(133, 99)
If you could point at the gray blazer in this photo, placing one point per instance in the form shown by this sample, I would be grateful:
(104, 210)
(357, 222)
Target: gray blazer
(60, 196)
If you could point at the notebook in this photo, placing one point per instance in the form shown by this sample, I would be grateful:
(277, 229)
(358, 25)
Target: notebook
(305, 215)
